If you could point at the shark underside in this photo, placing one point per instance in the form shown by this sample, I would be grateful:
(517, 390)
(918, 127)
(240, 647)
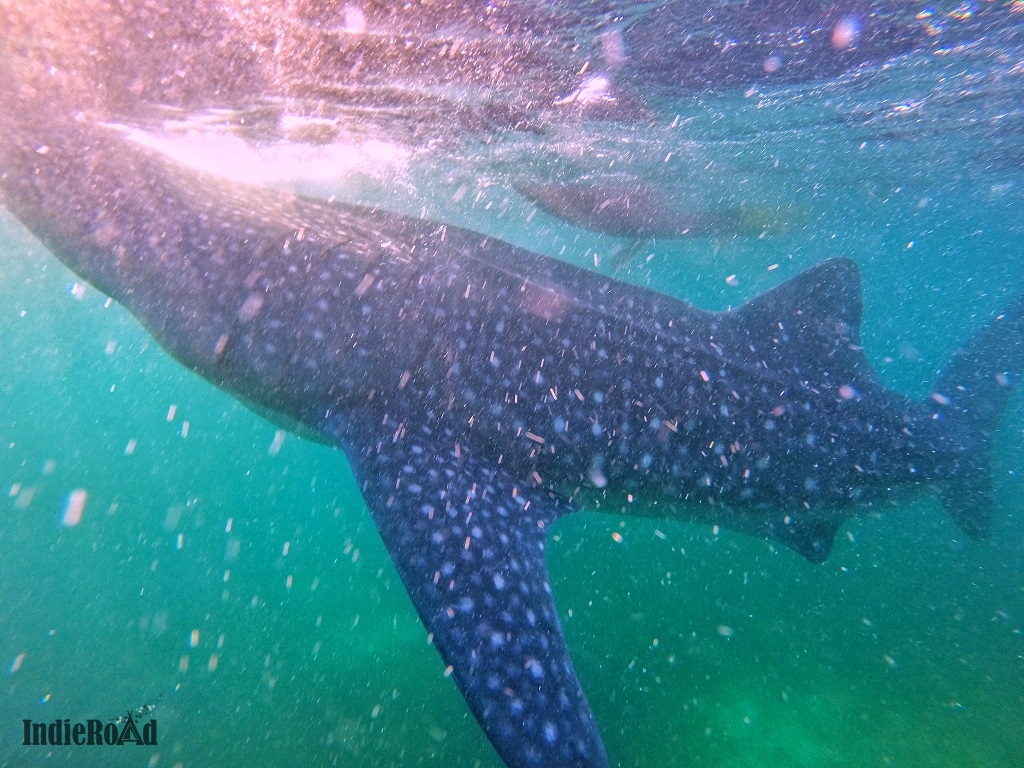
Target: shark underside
(481, 391)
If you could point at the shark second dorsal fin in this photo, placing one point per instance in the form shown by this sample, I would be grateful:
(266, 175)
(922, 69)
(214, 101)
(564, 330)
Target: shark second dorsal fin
(468, 543)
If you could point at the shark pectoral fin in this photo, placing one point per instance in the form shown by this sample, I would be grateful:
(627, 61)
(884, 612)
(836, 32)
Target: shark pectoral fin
(468, 542)
(626, 255)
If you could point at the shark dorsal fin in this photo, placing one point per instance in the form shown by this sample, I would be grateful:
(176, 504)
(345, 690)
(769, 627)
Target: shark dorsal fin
(811, 324)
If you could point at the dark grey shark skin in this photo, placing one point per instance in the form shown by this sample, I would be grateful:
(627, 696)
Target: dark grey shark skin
(477, 389)
(480, 391)
(626, 209)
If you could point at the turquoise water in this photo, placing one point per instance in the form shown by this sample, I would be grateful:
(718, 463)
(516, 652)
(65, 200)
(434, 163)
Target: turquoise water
(236, 580)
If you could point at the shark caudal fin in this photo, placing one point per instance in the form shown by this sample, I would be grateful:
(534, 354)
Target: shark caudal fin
(971, 394)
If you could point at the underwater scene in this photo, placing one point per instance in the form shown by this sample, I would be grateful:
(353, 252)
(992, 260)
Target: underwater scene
(194, 534)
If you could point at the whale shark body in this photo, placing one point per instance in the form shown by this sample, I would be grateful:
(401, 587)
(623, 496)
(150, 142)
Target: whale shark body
(480, 391)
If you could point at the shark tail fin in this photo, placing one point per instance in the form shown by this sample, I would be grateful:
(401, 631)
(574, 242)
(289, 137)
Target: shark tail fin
(970, 394)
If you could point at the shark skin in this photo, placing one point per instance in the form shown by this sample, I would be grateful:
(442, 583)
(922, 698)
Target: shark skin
(633, 209)
(479, 391)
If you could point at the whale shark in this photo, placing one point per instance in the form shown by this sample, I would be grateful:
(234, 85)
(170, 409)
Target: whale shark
(480, 391)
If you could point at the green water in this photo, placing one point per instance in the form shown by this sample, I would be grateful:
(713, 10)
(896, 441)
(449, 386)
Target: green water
(288, 639)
